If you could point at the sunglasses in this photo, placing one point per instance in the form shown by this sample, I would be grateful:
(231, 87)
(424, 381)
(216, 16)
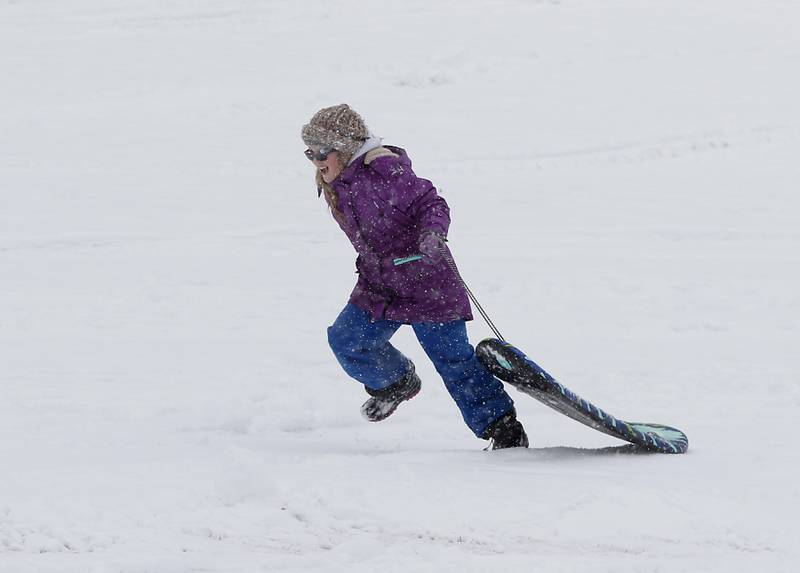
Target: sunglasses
(320, 155)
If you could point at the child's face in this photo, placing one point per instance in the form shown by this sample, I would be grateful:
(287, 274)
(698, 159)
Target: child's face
(330, 167)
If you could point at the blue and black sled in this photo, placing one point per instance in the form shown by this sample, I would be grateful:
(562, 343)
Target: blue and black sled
(510, 365)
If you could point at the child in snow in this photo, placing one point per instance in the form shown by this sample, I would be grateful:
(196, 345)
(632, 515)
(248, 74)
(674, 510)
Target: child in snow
(391, 217)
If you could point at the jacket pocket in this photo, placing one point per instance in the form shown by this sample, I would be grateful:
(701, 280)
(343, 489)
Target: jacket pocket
(413, 280)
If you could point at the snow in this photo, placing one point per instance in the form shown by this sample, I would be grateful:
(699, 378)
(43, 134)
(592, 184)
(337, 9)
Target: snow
(623, 183)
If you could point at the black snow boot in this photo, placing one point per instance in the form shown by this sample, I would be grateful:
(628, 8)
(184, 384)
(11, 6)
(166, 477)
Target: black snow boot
(384, 402)
(506, 432)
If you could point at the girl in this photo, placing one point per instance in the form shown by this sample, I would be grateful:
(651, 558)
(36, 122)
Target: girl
(398, 225)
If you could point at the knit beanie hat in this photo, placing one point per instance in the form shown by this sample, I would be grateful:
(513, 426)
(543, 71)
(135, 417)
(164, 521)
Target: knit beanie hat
(338, 127)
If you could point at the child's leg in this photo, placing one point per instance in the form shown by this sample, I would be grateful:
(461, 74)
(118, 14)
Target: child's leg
(479, 395)
(362, 348)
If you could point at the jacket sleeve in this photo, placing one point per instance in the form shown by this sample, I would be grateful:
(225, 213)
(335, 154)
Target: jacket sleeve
(415, 197)
(430, 210)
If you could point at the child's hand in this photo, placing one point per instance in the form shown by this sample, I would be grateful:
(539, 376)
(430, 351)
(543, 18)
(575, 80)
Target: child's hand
(431, 244)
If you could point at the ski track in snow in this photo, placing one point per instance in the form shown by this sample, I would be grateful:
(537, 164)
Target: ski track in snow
(668, 148)
(622, 179)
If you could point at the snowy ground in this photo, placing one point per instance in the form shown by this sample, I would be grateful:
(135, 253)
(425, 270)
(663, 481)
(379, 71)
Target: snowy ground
(623, 179)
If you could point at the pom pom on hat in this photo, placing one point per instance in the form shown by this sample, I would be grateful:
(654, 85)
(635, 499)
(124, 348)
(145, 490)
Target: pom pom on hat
(338, 127)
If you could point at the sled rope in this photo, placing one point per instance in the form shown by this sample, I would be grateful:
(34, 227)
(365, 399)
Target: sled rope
(452, 265)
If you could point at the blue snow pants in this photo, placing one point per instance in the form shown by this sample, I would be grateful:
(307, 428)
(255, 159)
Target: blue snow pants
(362, 348)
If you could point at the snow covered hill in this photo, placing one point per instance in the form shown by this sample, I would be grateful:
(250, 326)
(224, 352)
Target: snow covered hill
(623, 182)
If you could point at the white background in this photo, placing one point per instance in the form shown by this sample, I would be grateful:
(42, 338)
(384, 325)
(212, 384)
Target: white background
(623, 182)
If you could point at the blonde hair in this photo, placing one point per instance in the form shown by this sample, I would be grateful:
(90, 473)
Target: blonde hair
(331, 198)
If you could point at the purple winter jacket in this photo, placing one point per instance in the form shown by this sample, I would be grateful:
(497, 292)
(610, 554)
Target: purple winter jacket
(385, 208)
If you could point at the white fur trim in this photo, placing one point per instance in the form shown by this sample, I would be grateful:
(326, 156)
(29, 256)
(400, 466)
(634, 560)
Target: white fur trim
(371, 143)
